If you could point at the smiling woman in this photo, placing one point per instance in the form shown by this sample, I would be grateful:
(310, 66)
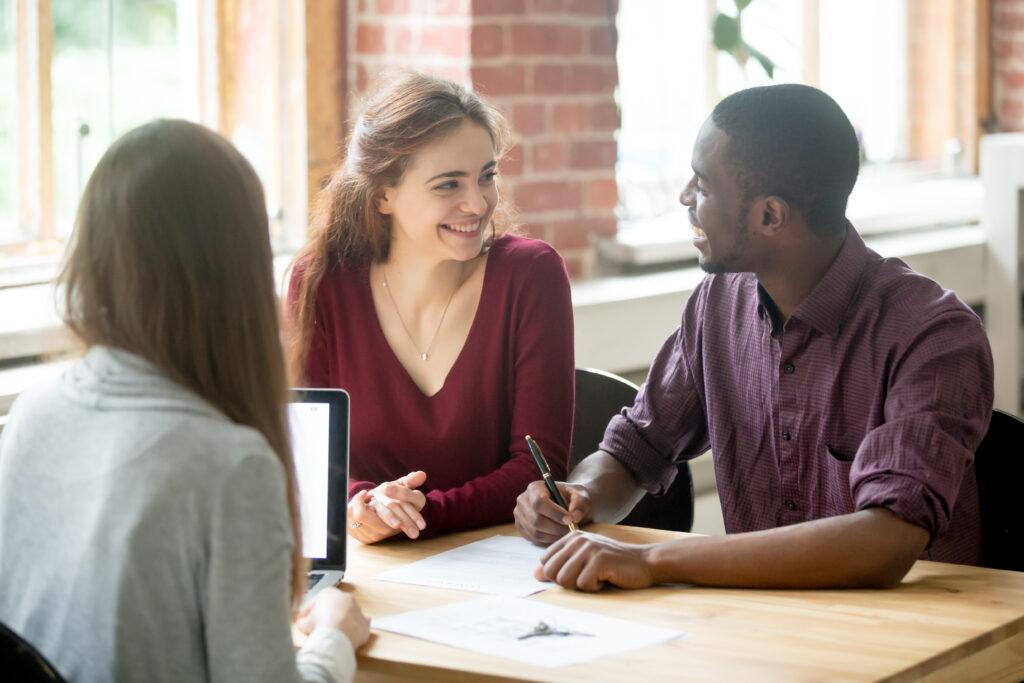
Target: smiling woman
(452, 335)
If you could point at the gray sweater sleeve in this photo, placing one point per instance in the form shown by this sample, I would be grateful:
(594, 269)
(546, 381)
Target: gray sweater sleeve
(245, 604)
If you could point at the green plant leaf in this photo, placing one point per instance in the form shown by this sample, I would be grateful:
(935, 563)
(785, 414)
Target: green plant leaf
(725, 32)
(767, 64)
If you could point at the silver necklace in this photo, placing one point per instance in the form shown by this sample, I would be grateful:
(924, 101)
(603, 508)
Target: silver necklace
(425, 354)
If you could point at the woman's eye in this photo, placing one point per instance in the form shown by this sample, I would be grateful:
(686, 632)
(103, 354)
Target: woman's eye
(488, 177)
(450, 185)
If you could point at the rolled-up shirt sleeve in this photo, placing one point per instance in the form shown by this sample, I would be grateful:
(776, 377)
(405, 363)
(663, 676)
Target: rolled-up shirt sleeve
(666, 423)
(937, 410)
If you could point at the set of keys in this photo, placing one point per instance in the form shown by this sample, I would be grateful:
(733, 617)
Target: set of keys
(543, 628)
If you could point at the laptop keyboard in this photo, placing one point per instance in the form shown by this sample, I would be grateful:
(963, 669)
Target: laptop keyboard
(312, 579)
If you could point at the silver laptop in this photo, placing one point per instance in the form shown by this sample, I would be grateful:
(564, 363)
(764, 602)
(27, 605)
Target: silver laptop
(319, 424)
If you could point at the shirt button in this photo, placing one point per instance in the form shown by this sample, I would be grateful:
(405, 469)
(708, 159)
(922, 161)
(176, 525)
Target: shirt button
(790, 505)
(786, 436)
(788, 368)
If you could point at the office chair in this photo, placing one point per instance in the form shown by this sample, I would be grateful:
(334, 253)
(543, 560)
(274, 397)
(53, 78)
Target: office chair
(599, 396)
(999, 466)
(19, 661)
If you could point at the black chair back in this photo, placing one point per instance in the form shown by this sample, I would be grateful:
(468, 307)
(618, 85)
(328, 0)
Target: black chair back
(600, 396)
(19, 661)
(999, 466)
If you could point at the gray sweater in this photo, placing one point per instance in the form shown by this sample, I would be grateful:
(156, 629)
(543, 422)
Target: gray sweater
(145, 536)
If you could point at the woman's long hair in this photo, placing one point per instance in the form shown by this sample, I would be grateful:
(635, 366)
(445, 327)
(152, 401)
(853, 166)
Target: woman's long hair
(346, 229)
(170, 259)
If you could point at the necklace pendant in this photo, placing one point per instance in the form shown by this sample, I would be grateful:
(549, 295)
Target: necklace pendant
(423, 356)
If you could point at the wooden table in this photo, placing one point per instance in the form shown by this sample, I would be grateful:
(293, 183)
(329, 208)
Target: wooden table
(945, 622)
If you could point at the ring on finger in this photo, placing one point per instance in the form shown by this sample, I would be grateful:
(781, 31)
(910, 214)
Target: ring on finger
(355, 525)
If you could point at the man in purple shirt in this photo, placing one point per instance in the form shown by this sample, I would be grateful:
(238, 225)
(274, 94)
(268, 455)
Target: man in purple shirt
(842, 394)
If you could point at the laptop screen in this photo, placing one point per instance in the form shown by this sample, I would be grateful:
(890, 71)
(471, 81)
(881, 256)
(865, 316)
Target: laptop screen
(318, 419)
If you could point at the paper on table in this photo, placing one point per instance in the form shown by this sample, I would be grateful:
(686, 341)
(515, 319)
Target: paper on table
(493, 625)
(502, 565)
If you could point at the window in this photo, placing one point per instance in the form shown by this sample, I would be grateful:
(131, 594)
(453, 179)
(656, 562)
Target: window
(77, 74)
(878, 58)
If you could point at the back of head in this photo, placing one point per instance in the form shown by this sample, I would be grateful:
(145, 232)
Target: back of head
(795, 142)
(170, 259)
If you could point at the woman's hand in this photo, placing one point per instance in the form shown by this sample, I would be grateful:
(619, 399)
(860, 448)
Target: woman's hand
(387, 509)
(336, 610)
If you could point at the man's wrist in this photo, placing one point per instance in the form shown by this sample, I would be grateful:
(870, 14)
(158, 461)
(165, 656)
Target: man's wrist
(658, 558)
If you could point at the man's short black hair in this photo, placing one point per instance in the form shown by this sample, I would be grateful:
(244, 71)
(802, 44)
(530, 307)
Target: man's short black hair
(793, 141)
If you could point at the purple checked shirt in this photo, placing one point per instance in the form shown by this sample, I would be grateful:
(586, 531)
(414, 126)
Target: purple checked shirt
(875, 393)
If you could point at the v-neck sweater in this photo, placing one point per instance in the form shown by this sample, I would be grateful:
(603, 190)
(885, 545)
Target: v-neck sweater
(513, 377)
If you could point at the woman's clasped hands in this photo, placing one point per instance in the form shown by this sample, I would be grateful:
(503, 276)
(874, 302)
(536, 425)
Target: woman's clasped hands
(390, 508)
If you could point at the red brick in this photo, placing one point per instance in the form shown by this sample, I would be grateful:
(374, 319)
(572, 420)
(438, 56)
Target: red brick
(511, 164)
(593, 154)
(1011, 113)
(499, 80)
(602, 193)
(594, 7)
(1009, 17)
(487, 40)
(1011, 78)
(549, 156)
(528, 119)
(371, 39)
(549, 79)
(570, 235)
(546, 39)
(482, 8)
(547, 6)
(548, 196)
(604, 116)
(573, 265)
(570, 118)
(592, 77)
(392, 6)
(449, 41)
(362, 78)
(575, 234)
(404, 38)
(448, 7)
(603, 41)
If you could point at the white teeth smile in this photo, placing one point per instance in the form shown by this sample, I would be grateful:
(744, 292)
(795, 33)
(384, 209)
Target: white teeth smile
(468, 227)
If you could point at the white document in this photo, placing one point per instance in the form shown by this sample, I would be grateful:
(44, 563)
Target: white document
(494, 625)
(501, 565)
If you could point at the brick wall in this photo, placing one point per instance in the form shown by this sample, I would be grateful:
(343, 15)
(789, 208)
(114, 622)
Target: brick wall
(1008, 64)
(550, 66)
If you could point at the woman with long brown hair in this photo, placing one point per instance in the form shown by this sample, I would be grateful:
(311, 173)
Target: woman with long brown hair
(149, 526)
(452, 335)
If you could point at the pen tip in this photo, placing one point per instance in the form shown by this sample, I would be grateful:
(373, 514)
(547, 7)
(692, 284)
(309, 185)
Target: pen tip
(529, 438)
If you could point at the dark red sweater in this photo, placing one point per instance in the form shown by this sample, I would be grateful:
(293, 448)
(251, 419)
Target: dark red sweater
(513, 377)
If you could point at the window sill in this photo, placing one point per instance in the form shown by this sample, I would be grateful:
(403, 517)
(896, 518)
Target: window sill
(621, 321)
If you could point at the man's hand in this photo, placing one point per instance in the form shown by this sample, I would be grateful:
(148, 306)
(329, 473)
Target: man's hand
(540, 521)
(583, 561)
(387, 509)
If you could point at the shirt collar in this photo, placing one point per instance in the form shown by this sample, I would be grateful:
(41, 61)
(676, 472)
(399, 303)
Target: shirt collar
(827, 304)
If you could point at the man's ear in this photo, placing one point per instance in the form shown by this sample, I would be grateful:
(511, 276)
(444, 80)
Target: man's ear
(771, 214)
(383, 201)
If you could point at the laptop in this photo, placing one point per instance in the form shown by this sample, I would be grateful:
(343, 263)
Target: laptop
(319, 425)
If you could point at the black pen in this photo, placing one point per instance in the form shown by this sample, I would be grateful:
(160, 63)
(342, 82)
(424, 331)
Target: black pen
(549, 481)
